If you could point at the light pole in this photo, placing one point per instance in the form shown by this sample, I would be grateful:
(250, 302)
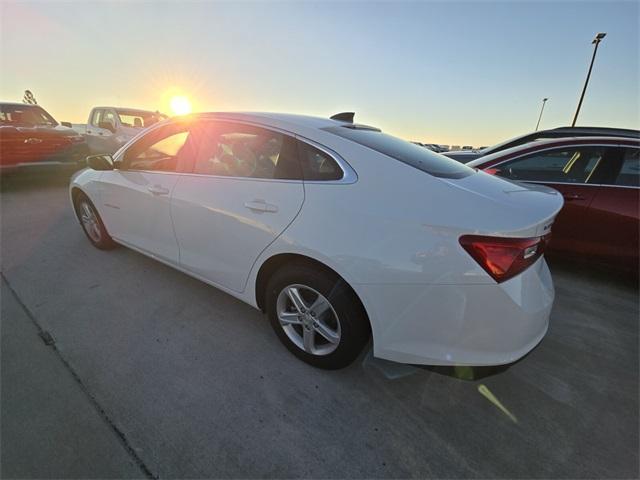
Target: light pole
(544, 100)
(596, 41)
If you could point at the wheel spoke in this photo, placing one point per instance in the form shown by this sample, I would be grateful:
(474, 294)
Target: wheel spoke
(320, 306)
(289, 318)
(308, 339)
(296, 299)
(87, 211)
(330, 335)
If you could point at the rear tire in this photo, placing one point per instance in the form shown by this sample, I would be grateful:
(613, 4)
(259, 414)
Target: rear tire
(316, 316)
(92, 224)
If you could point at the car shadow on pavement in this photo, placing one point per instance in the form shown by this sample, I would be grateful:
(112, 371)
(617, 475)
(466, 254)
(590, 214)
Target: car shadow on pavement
(594, 272)
(36, 180)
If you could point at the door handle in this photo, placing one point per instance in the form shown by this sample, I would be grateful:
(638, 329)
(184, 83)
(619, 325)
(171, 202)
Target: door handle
(261, 206)
(158, 190)
(572, 196)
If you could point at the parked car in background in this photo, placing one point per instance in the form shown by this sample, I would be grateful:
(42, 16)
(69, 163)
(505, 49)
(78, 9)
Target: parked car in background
(434, 147)
(301, 217)
(599, 178)
(30, 136)
(560, 132)
(108, 128)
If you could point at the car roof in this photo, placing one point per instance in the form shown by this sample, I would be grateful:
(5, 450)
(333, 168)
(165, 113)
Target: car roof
(294, 123)
(560, 132)
(21, 104)
(608, 131)
(542, 144)
(275, 118)
(303, 125)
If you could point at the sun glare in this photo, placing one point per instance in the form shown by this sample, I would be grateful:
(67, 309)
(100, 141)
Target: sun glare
(180, 105)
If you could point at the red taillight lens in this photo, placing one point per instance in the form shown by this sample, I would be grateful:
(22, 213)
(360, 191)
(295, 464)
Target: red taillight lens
(503, 258)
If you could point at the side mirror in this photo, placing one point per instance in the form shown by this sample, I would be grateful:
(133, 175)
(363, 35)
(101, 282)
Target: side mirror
(107, 126)
(66, 124)
(100, 162)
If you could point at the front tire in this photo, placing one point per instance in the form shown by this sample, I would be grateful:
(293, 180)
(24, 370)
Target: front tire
(92, 224)
(316, 316)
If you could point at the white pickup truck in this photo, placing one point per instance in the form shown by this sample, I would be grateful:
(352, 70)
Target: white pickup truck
(109, 128)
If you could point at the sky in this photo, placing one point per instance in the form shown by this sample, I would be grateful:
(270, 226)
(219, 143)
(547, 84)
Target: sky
(463, 73)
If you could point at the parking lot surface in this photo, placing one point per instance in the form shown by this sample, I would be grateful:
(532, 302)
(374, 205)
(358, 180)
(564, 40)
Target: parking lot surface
(152, 373)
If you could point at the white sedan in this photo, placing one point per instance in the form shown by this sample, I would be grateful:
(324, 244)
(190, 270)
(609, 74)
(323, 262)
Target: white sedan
(339, 232)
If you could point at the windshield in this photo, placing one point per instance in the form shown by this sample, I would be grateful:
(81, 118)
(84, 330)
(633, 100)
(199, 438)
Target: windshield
(404, 151)
(139, 118)
(25, 115)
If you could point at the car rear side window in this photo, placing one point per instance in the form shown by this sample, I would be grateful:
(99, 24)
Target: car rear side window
(566, 165)
(629, 175)
(318, 165)
(238, 150)
(403, 151)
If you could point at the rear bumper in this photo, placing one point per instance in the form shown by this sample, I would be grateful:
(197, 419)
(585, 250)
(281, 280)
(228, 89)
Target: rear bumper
(488, 324)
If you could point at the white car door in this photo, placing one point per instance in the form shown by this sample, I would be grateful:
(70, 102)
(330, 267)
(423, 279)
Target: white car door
(96, 134)
(136, 197)
(246, 188)
(101, 139)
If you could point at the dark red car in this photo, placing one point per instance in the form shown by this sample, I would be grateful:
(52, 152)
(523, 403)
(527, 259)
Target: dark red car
(29, 136)
(599, 178)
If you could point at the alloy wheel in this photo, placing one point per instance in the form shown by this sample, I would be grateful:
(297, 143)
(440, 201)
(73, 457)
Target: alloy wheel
(308, 319)
(90, 222)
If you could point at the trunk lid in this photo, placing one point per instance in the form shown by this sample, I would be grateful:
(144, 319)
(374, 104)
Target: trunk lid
(508, 208)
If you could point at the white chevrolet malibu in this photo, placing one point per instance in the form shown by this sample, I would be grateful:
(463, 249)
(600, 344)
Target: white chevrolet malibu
(337, 231)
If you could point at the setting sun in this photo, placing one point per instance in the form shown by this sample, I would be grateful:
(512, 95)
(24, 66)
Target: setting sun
(180, 105)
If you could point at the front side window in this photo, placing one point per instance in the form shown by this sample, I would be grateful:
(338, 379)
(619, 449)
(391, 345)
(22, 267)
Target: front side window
(406, 152)
(109, 117)
(566, 165)
(164, 150)
(237, 150)
(96, 118)
(629, 175)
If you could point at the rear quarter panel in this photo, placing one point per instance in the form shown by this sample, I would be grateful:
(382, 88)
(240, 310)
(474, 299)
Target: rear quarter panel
(397, 224)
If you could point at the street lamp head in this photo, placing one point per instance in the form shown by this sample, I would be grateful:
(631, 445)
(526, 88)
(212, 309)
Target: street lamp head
(545, 99)
(599, 37)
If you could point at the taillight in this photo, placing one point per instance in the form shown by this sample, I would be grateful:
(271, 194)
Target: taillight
(503, 258)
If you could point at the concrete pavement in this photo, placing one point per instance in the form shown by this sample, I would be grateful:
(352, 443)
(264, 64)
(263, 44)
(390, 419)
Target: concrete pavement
(155, 370)
(49, 427)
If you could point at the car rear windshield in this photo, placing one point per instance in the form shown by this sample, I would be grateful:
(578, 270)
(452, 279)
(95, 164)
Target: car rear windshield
(419, 157)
